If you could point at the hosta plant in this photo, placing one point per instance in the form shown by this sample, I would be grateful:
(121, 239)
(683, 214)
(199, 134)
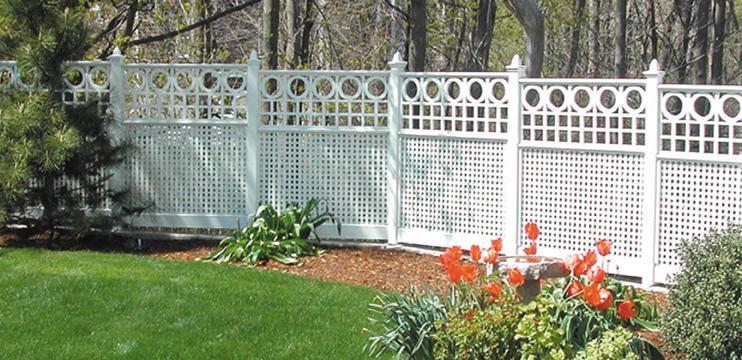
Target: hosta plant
(281, 236)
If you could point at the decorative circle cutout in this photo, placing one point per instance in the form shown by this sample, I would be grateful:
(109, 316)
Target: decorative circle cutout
(375, 88)
(411, 89)
(350, 88)
(323, 87)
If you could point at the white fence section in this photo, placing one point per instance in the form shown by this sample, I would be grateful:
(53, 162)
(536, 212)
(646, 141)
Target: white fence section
(431, 159)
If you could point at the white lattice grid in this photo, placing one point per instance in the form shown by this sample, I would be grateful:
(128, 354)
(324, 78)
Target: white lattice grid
(206, 93)
(452, 187)
(595, 113)
(695, 197)
(577, 198)
(701, 120)
(460, 102)
(325, 98)
(345, 171)
(189, 169)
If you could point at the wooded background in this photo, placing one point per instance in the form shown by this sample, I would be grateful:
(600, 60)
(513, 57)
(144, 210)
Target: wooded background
(695, 41)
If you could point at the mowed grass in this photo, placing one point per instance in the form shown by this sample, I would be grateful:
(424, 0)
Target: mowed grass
(84, 305)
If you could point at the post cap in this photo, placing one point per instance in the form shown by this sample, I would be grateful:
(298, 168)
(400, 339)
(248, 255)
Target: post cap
(397, 61)
(253, 57)
(654, 70)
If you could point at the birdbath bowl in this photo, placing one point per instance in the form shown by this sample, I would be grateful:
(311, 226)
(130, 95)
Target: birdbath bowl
(534, 269)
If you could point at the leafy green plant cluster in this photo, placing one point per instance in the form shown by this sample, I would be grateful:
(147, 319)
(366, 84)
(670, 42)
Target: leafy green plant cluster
(613, 344)
(704, 319)
(407, 323)
(281, 236)
(540, 334)
(478, 334)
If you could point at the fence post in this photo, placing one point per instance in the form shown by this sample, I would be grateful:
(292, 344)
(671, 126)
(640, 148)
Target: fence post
(393, 147)
(253, 121)
(651, 185)
(511, 163)
(117, 101)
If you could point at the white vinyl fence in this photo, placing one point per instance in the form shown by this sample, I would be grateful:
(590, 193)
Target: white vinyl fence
(432, 159)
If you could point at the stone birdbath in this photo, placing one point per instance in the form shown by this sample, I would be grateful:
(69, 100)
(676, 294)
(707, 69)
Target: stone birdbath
(534, 269)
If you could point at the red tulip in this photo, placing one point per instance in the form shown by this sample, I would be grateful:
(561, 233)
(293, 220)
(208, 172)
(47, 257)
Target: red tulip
(494, 289)
(596, 276)
(530, 249)
(592, 295)
(606, 299)
(604, 247)
(532, 231)
(590, 259)
(626, 310)
(580, 268)
(515, 278)
(476, 253)
(451, 256)
(570, 262)
(470, 314)
(490, 256)
(454, 272)
(469, 272)
(575, 287)
(497, 244)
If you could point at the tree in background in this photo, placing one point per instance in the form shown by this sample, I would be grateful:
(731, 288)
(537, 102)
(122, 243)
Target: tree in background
(53, 157)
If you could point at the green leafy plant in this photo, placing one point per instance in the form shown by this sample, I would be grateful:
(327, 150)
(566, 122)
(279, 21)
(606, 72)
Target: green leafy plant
(539, 332)
(281, 236)
(478, 333)
(704, 318)
(614, 344)
(407, 323)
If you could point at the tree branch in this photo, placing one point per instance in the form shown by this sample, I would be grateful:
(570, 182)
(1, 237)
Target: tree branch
(195, 25)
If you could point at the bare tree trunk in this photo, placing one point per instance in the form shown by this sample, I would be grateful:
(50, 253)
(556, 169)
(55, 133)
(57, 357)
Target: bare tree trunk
(594, 52)
(292, 39)
(619, 60)
(418, 34)
(701, 44)
(574, 46)
(302, 50)
(653, 36)
(531, 18)
(481, 36)
(717, 53)
(396, 33)
(271, 10)
(684, 14)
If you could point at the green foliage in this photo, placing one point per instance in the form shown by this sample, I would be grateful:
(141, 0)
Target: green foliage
(478, 334)
(611, 345)
(407, 323)
(704, 319)
(539, 332)
(282, 237)
(54, 156)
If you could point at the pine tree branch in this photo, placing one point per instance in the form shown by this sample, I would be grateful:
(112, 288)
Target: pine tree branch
(195, 25)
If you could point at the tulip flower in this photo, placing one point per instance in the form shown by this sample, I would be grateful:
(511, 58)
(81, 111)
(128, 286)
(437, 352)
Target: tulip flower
(532, 231)
(494, 289)
(604, 247)
(606, 299)
(490, 256)
(596, 276)
(469, 272)
(497, 244)
(626, 310)
(515, 278)
(575, 287)
(476, 253)
(530, 249)
(590, 259)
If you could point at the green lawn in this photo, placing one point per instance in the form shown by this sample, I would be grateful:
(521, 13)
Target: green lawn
(85, 305)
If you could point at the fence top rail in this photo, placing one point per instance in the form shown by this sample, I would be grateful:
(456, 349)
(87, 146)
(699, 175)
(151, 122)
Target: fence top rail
(619, 82)
(66, 63)
(187, 66)
(457, 74)
(327, 72)
(696, 88)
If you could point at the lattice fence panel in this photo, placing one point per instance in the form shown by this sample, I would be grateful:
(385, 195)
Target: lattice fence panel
(597, 114)
(453, 186)
(455, 102)
(189, 169)
(325, 98)
(579, 197)
(695, 197)
(701, 121)
(346, 171)
(211, 93)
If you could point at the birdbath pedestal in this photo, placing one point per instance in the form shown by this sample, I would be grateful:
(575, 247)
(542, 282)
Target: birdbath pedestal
(534, 269)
